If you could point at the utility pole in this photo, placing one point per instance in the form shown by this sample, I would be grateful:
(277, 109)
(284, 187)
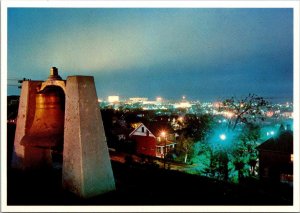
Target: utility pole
(163, 136)
(16, 82)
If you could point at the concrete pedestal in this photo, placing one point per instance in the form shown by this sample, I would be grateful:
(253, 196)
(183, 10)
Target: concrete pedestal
(24, 120)
(86, 164)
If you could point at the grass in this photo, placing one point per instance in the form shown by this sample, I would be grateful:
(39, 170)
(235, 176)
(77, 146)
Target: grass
(146, 185)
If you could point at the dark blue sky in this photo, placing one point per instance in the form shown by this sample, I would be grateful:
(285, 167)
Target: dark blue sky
(204, 54)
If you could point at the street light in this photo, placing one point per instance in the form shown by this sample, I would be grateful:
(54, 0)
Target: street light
(270, 133)
(180, 119)
(163, 135)
(223, 137)
(224, 156)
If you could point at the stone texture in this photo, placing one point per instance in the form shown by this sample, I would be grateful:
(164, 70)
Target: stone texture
(24, 120)
(87, 169)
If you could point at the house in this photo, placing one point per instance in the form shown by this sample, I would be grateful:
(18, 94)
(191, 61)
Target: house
(152, 142)
(276, 158)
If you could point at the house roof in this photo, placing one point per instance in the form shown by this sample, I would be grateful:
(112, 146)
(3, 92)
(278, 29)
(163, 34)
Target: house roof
(282, 143)
(157, 127)
(141, 124)
(154, 128)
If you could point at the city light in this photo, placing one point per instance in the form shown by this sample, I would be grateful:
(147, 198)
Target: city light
(180, 119)
(163, 134)
(113, 98)
(228, 114)
(223, 137)
(271, 133)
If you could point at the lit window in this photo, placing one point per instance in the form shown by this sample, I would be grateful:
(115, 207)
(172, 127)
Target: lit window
(292, 157)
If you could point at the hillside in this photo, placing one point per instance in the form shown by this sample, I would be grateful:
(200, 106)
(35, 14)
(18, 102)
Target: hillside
(147, 185)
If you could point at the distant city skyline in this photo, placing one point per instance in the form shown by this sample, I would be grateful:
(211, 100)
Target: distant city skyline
(202, 53)
(120, 98)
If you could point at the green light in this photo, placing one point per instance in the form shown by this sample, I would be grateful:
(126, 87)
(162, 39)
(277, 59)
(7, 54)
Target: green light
(223, 137)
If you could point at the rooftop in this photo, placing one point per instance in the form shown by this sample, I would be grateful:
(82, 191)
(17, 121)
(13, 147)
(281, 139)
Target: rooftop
(282, 143)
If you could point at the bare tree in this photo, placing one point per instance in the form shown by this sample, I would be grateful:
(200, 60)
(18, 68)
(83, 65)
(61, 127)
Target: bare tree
(244, 110)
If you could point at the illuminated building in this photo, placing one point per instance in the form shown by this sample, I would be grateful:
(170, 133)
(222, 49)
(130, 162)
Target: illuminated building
(155, 144)
(113, 99)
(159, 99)
(138, 99)
(183, 104)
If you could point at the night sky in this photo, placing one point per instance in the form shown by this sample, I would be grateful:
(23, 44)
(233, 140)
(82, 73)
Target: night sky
(204, 54)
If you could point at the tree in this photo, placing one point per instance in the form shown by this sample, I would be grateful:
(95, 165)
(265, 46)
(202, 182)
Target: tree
(244, 154)
(245, 110)
(218, 163)
(195, 130)
(185, 147)
(198, 127)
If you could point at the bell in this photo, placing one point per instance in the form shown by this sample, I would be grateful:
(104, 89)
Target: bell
(47, 128)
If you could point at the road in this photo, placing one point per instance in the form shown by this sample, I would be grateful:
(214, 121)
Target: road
(121, 157)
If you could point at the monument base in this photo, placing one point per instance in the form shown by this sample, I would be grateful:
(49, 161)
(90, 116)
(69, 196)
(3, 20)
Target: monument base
(87, 168)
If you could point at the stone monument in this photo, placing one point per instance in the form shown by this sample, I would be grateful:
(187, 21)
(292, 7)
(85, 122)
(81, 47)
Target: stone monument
(63, 116)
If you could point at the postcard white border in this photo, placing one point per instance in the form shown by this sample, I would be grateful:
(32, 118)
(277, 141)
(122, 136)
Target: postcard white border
(147, 4)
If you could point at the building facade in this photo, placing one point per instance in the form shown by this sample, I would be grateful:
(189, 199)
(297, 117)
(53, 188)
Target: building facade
(276, 158)
(150, 144)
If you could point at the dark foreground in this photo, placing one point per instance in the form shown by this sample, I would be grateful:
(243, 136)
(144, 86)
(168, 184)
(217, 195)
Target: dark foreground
(136, 185)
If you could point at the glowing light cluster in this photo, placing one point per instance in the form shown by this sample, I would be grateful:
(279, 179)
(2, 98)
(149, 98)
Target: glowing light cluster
(228, 114)
(159, 99)
(271, 133)
(183, 105)
(163, 134)
(180, 119)
(113, 98)
(223, 137)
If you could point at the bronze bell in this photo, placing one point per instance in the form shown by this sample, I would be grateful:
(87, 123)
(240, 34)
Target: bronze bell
(47, 128)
